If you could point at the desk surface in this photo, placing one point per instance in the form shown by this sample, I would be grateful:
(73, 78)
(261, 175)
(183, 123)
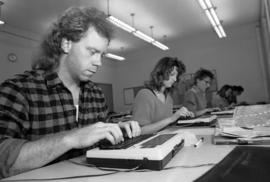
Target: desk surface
(188, 156)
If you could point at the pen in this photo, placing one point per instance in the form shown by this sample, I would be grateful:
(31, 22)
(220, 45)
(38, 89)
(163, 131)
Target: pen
(198, 143)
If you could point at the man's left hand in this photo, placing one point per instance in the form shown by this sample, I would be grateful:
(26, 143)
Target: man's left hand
(132, 128)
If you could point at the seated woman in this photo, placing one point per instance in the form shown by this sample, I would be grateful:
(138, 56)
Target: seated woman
(221, 98)
(195, 97)
(153, 105)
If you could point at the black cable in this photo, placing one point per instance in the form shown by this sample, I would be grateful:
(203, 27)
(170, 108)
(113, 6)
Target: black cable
(61, 178)
(105, 168)
(114, 171)
(174, 167)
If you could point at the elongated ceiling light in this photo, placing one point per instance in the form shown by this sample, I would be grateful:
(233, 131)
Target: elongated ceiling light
(209, 10)
(1, 20)
(113, 56)
(136, 32)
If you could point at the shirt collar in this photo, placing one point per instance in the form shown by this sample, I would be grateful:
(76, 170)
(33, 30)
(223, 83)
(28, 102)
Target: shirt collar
(53, 80)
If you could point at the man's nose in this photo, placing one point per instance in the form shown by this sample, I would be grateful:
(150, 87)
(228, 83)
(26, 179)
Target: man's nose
(97, 60)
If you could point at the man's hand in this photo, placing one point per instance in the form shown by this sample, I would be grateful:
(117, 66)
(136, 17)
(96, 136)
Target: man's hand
(89, 135)
(183, 111)
(132, 128)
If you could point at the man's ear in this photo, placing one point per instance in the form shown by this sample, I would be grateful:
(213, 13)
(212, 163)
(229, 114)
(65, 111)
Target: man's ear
(66, 45)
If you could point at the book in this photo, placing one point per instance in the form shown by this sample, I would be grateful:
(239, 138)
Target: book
(239, 136)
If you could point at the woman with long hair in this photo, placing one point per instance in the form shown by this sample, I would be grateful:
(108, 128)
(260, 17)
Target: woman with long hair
(153, 106)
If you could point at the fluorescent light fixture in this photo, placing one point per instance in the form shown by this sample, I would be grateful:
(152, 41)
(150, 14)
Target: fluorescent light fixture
(209, 9)
(143, 36)
(113, 56)
(121, 24)
(136, 32)
(161, 46)
(1, 21)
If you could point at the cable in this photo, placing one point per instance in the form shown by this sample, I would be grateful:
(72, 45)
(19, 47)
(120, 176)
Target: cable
(62, 178)
(114, 171)
(104, 168)
(182, 166)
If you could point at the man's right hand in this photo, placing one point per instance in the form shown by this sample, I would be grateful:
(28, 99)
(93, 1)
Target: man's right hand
(89, 135)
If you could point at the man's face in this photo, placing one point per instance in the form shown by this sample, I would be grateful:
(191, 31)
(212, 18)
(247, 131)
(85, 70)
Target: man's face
(204, 84)
(84, 57)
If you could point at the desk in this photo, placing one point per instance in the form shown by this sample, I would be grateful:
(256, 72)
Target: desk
(206, 153)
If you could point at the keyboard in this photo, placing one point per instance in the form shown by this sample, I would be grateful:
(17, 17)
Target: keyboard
(159, 140)
(151, 153)
(205, 120)
(128, 142)
(185, 118)
(106, 145)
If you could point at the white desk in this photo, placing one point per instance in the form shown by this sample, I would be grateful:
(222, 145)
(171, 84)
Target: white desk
(206, 153)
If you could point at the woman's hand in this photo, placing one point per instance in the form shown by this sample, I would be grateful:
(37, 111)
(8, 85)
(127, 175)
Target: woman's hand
(184, 112)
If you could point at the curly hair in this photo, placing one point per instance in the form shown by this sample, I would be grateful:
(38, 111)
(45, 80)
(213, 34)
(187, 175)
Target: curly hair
(162, 72)
(201, 74)
(72, 25)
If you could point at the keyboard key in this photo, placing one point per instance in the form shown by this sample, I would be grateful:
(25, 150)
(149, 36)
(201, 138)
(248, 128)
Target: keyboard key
(106, 145)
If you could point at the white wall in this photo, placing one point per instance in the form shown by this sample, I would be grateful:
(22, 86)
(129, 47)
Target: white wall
(24, 45)
(235, 58)
(19, 46)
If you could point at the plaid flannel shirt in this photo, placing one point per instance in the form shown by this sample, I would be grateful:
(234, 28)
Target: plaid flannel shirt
(36, 104)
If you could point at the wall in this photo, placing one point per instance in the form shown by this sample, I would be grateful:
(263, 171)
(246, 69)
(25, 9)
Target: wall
(19, 45)
(24, 45)
(235, 58)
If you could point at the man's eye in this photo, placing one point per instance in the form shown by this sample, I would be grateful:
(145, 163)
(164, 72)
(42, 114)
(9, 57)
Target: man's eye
(92, 52)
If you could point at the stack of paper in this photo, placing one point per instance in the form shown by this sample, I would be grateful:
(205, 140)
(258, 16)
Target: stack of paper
(238, 135)
(238, 132)
(252, 116)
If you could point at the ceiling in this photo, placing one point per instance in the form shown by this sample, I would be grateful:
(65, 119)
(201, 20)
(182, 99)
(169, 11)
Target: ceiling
(173, 18)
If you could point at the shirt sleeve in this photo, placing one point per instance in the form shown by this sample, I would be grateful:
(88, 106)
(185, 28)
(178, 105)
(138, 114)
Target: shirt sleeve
(13, 125)
(9, 150)
(190, 101)
(142, 107)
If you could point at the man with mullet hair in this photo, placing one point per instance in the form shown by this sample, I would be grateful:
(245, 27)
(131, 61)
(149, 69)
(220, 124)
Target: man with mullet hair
(55, 112)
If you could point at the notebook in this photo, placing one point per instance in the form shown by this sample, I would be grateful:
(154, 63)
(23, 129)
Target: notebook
(151, 153)
(241, 136)
(205, 120)
(243, 163)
